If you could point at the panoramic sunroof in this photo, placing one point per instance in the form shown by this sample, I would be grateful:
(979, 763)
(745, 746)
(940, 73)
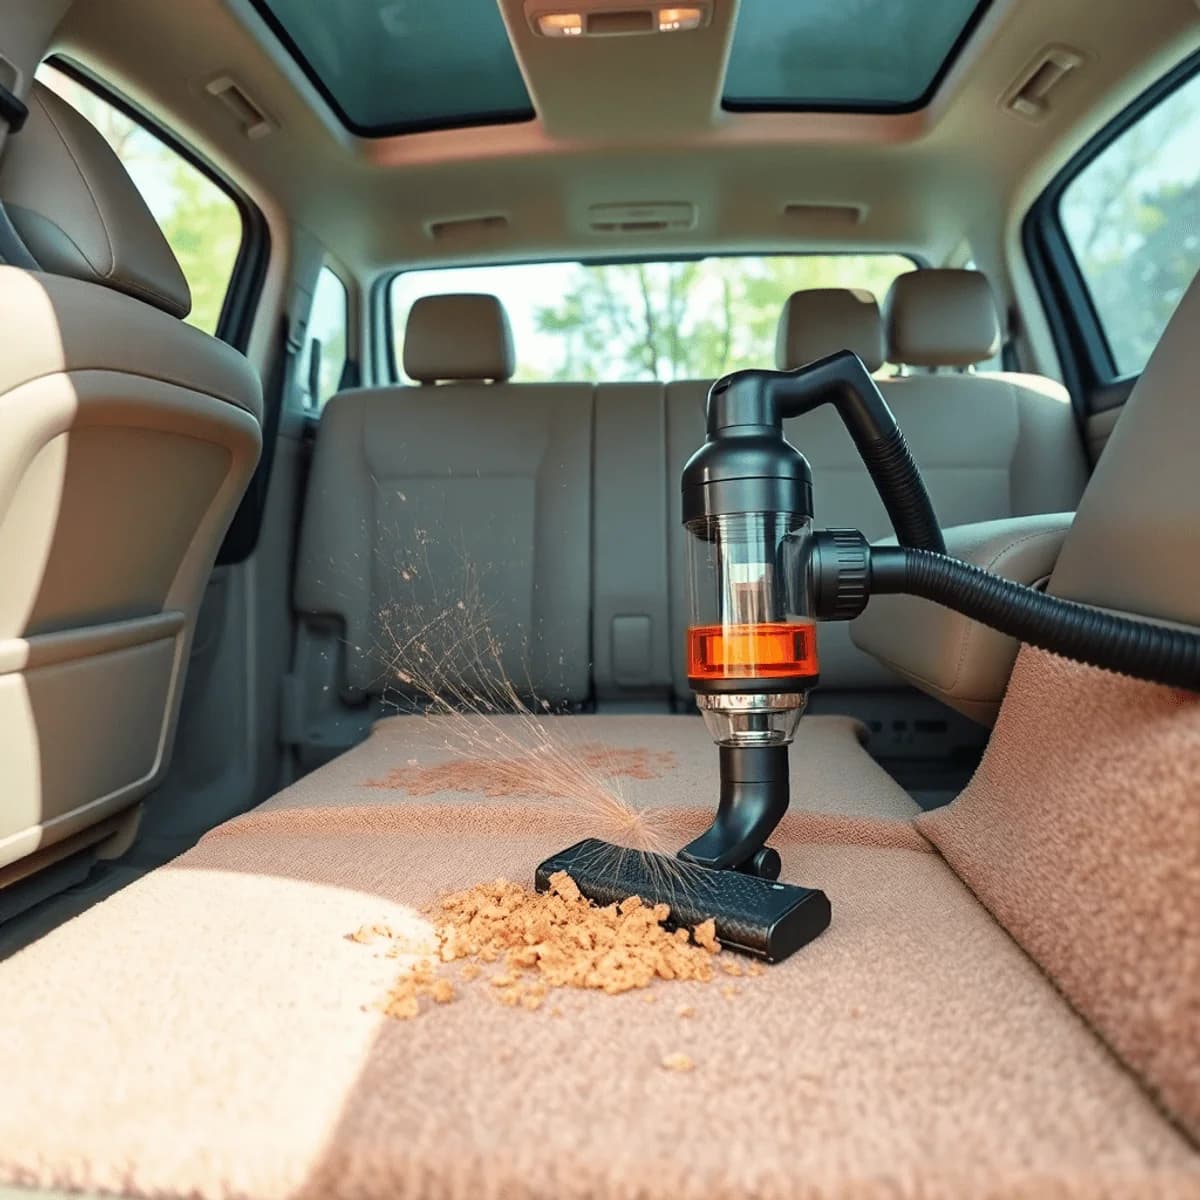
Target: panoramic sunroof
(398, 66)
(864, 55)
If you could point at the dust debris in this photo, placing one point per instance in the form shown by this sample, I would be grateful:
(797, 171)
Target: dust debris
(525, 774)
(678, 1062)
(541, 942)
(365, 934)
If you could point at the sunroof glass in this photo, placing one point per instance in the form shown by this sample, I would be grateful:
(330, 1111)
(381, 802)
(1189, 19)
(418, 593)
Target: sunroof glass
(396, 66)
(872, 55)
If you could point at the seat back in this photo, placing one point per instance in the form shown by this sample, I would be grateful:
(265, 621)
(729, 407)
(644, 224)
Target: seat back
(1080, 831)
(126, 441)
(447, 527)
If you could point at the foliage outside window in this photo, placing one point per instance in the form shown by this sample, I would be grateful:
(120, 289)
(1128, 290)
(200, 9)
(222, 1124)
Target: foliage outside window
(694, 319)
(1132, 219)
(200, 221)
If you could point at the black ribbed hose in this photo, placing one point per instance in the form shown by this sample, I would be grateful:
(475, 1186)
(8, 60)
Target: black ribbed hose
(898, 481)
(1122, 644)
(842, 380)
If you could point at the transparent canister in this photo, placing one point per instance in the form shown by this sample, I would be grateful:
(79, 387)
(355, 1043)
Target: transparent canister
(752, 645)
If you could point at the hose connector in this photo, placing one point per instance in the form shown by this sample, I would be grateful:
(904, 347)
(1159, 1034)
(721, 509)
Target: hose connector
(839, 573)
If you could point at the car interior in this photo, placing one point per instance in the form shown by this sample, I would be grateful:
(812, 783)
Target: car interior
(353, 357)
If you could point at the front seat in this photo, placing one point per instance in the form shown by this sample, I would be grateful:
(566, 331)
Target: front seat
(126, 441)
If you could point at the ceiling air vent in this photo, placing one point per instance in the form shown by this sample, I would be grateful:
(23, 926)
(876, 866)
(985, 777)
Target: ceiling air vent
(649, 217)
(466, 229)
(824, 218)
(1029, 97)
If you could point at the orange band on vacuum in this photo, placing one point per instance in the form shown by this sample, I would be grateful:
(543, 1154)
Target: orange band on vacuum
(769, 651)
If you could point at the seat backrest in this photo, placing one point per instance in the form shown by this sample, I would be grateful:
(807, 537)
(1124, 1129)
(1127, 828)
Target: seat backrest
(447, 526)
(1018, 427)
(988, 446)
(1081, 830)
(126, 441)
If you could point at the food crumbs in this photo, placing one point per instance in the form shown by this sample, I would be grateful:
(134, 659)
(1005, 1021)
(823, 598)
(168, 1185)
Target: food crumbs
(685, 1010)
(542, 942)
(677, 1062)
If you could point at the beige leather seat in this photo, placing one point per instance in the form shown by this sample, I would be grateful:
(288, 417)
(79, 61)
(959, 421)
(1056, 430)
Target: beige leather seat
(989, 446)
(447, 529)
(126, 441)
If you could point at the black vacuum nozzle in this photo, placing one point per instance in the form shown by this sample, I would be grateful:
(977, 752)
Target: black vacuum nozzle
(755, 916)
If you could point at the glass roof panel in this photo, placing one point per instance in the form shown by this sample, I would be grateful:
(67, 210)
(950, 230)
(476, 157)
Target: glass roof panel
(399, 66)
(865, 55)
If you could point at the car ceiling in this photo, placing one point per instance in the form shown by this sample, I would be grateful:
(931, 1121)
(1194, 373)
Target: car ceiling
(631, 120)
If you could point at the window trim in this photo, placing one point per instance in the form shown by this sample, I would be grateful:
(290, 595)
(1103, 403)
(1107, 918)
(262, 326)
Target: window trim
(383, 287)
(1078, 333)
(898, 108)
(240, 305)
(349, 361)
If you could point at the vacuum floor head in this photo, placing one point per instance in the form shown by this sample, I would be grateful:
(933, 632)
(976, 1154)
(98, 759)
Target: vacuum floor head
(756, 916)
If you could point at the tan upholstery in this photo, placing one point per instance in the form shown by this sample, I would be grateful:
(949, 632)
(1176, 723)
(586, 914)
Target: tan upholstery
(822, 321)
(1133, 545)
(941, 318)
(78, 211)
(464, 337)
(962, 663)
(469, 503)
(126, 442)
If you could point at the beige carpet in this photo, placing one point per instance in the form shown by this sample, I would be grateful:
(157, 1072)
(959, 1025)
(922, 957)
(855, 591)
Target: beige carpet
(207, 1032)
(1087, 849)
(830, 772)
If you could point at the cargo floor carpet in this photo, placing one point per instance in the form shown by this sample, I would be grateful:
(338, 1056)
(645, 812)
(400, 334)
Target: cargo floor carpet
(209, 1031)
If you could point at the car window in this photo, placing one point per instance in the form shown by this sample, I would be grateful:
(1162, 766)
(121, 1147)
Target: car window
(324, 358)
(693, 319)
(200, 221)
(1132, 220)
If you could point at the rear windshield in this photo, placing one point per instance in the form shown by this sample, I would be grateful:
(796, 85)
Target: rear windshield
(695, 319)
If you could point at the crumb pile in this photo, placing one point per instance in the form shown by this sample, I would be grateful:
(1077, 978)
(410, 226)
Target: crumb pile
(540, 942)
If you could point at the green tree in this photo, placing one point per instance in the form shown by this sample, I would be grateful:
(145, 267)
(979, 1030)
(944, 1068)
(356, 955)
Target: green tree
(693, 318)
(1132, 218)
(204, 230)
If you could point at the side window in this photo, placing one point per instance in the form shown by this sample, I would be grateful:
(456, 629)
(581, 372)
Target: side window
(201, 222)
(324, 358)
(1131, 218)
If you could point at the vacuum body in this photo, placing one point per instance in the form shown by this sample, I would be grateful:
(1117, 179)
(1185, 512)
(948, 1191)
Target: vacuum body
(751, 640)
(759, 579)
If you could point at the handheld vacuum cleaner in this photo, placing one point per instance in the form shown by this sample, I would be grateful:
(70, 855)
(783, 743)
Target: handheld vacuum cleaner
(760, 578)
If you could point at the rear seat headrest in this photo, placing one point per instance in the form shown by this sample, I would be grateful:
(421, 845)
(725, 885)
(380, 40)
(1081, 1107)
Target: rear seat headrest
(941, 318)
(821, 321)
(79, 213)
(460, 337)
